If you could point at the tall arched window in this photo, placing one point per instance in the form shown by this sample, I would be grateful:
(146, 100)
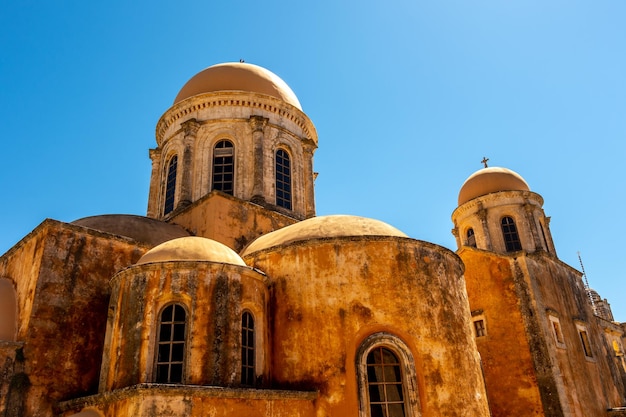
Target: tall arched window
(509, 232)
(386, 378)
(170, 185)
(283, 179)
(471, 238)
(170, 355)
(384, 383)
(223, 167)
(247, 349)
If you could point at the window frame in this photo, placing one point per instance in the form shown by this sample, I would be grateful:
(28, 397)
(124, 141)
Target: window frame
(283, 181)
(248, 350)
(169, 194)
(220, 185)
(483, 327)
(557, 331)
(585, 342)
(394, 344)
(158, 343)
(470, 237)
(510, 234)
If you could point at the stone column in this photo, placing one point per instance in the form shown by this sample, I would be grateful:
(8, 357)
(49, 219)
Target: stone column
(482, 215)
(155, 184)
(190, 129)
(257, 124)
(309, 180)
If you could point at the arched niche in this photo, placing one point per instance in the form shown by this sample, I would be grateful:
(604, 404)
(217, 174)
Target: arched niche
(8, 310)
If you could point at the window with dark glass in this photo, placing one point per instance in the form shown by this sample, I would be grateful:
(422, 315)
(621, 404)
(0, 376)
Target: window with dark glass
(170, 185)
(511, 238)
(384, 383)
(171, 345)
(283, 179)
(223, 167)
(247, 349)
(479, 328)
(471, 238)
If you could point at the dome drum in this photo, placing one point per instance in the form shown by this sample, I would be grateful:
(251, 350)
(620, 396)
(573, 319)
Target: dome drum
(365, 285)
(479, 222)
(258, 114)
(209, 297)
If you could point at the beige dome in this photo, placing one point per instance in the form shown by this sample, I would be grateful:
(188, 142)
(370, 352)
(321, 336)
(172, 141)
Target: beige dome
(238, 76)
(191, 249)
(323, 227)
(491, 180)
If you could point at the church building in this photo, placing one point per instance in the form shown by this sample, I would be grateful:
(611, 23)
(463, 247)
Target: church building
(232, 298)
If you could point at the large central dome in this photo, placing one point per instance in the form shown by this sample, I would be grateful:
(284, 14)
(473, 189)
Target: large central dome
(238, 76)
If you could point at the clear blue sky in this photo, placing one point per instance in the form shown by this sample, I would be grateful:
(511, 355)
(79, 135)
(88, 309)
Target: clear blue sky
(407, 97)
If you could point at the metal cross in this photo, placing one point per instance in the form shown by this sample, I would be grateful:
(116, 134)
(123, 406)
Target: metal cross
(484, 161)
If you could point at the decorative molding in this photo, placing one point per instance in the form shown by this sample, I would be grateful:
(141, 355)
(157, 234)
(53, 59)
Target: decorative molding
(252, 100)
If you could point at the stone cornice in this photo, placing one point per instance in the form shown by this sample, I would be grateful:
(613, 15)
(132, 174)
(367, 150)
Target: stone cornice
(234, 99)
(487, 201)
(145, 390)
(182, 266)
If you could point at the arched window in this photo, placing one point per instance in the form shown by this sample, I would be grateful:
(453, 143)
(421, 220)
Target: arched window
(170, 355)
(223, 167)
(283, 179)
(509, 232)
(8, 310)
(247, 349)
(386, 378)
(471, 238)
(170, 185)
(384, 383)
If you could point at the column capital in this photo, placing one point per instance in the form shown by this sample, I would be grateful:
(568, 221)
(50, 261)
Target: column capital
(190, 127)
(258, 123)
(154, 154)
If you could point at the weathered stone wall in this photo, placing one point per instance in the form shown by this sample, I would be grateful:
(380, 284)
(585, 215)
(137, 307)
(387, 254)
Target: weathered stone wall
(62, 277)
(214, 296)
(329, 295)
(527, 371)
(589, 385)
(153, 400)
(229, 220)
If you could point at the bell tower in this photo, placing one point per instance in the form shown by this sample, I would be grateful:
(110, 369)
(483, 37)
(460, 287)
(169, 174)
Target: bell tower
(234, 156)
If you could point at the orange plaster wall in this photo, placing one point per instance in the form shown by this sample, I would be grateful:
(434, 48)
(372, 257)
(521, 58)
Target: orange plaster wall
(505, 351)
(330, 295)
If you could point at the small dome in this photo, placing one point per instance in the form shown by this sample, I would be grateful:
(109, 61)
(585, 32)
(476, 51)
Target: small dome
(323, 227)
(191, 248)
(491, 180)
(238, 76)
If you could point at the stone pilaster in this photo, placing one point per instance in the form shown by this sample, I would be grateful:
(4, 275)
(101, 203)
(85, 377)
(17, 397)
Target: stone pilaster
(155, 184)
(482, 215)
(530, 219)
(190, 130)
(309, 180)
(257, 124)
